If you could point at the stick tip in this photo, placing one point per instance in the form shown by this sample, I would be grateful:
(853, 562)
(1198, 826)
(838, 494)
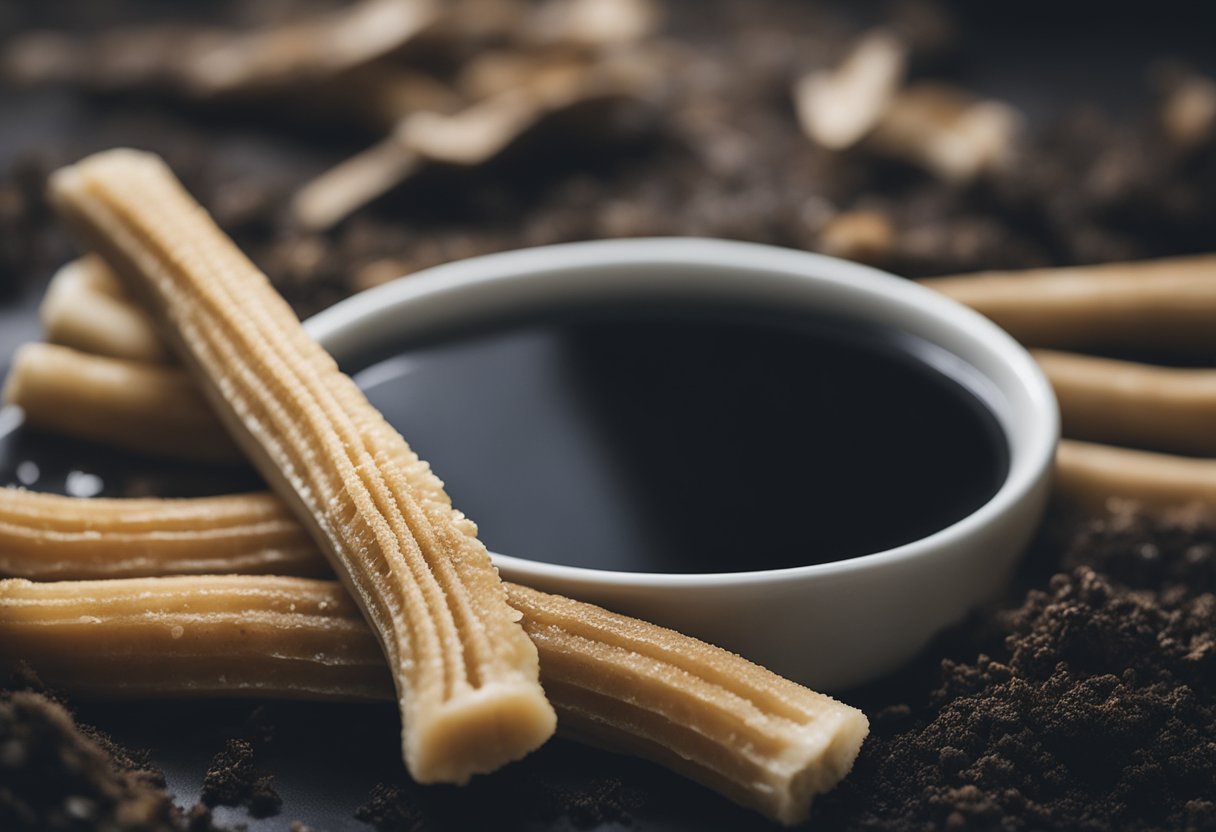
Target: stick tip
(479, 733)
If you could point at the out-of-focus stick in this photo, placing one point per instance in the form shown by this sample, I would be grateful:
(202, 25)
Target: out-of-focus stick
(1089, 475)
(1165, 304)
(466, 673)
(1139, 405)
(86, 308)
(615, 681)
(153, 409)
(48, 537)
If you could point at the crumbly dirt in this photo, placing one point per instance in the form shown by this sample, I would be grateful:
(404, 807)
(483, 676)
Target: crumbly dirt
(56, 776)
(233, 779)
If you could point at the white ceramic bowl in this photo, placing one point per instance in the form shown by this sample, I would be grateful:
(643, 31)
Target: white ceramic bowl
(831, 625)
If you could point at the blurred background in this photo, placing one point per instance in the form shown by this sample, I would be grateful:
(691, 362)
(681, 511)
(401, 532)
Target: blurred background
(344, 144)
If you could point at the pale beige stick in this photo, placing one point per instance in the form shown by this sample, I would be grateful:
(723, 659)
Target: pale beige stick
(46, 537)
(200, 635)
(465, 671)
(615, 681)
(711, 715)
(1090, 474)
(86, 308)
(150, 408)
(1138, 405)
(1168, 303)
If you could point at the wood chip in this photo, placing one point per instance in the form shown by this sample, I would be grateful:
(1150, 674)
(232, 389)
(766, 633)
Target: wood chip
(837, 108)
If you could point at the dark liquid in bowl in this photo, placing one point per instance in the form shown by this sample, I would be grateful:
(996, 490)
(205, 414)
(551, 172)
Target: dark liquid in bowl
(711, 440)
(652, 440)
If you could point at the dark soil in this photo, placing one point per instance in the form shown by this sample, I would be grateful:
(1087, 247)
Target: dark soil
(234, 780)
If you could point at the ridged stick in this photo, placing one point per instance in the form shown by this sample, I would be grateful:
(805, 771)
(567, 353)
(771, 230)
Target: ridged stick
(615, 681)
(465, 671)
(48, 537)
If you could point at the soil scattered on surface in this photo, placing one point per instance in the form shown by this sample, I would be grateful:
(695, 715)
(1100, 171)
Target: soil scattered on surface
(233, 779)
(555, 784)
(1088, 705)
(55, 775)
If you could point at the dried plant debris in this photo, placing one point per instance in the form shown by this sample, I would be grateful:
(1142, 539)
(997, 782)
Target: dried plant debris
(1188, 107)
(512, 96)
(938, 127)
(200, 61)
(590, 23)
(948, 132)
(322, 47)
(839, 107)
(547, 57)
(864, 236)
(707, 143)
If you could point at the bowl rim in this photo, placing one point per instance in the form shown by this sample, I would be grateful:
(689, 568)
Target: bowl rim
(338, 330)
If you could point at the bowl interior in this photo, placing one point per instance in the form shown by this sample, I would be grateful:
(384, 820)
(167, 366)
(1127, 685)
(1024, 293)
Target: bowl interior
(530, 283)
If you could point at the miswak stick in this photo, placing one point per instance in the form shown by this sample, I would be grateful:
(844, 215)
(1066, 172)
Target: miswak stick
(149, 408)
(86, 308)
(228, 635)
(47, 537)
(465, 672)
(1167, 303)
(1140, 405)
(1089, 475)
(615, 681)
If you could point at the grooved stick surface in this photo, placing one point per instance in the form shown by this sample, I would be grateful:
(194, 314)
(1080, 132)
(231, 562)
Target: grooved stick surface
(615, 681)
(46, 537)
(465, 671)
